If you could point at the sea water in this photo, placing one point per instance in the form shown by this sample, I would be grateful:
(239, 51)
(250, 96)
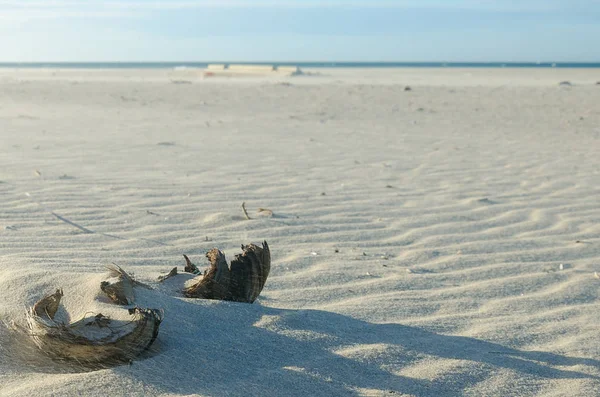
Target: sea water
(180, 65)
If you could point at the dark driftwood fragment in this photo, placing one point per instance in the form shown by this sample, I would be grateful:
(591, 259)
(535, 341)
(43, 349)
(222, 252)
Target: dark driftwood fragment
(189, 266)
(243, 281)
(95, 341)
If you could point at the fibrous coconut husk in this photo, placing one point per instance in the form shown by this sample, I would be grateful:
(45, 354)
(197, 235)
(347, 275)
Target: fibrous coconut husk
(95, 341)
(119, 288)
(243, 281)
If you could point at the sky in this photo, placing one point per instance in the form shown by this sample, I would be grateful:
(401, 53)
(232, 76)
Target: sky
(300, 30)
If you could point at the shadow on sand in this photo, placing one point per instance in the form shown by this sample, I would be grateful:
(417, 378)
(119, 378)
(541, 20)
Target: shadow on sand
(235, 349)
(239, 349)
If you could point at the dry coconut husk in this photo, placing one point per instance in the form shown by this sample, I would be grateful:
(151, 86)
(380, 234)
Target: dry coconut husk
(119, 287)
(243, 281)
(95, 341)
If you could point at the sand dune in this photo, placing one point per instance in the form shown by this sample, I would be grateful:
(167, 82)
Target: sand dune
(434, 242)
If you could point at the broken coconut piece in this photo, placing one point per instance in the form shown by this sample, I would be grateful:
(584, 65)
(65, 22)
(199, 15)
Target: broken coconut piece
(243, 281)
(119, 288)
(95, 341)
(172, 273)
(189, 266)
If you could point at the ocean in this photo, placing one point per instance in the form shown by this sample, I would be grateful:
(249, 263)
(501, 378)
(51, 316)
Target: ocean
(170, 65)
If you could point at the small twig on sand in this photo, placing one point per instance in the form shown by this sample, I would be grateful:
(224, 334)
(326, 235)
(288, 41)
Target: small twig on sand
(83, 229)
(86, 230)
(65, 220)
(245, 212)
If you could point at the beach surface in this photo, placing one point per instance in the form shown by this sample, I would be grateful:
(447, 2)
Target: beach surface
(437, 241)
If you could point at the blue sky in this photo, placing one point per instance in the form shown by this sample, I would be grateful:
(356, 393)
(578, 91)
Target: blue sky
(299, 30)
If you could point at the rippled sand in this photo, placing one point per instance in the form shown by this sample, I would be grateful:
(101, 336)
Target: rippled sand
(440, 241)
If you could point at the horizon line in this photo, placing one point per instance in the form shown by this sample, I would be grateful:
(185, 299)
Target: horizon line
(311, 61)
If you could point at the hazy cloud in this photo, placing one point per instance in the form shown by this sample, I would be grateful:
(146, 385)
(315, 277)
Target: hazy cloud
(467, 30)
(490, 5)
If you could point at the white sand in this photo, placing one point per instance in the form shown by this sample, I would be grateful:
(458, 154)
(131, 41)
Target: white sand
(452, 207)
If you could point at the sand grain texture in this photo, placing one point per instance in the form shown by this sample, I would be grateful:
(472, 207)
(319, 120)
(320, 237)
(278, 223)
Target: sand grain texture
(438, 241)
